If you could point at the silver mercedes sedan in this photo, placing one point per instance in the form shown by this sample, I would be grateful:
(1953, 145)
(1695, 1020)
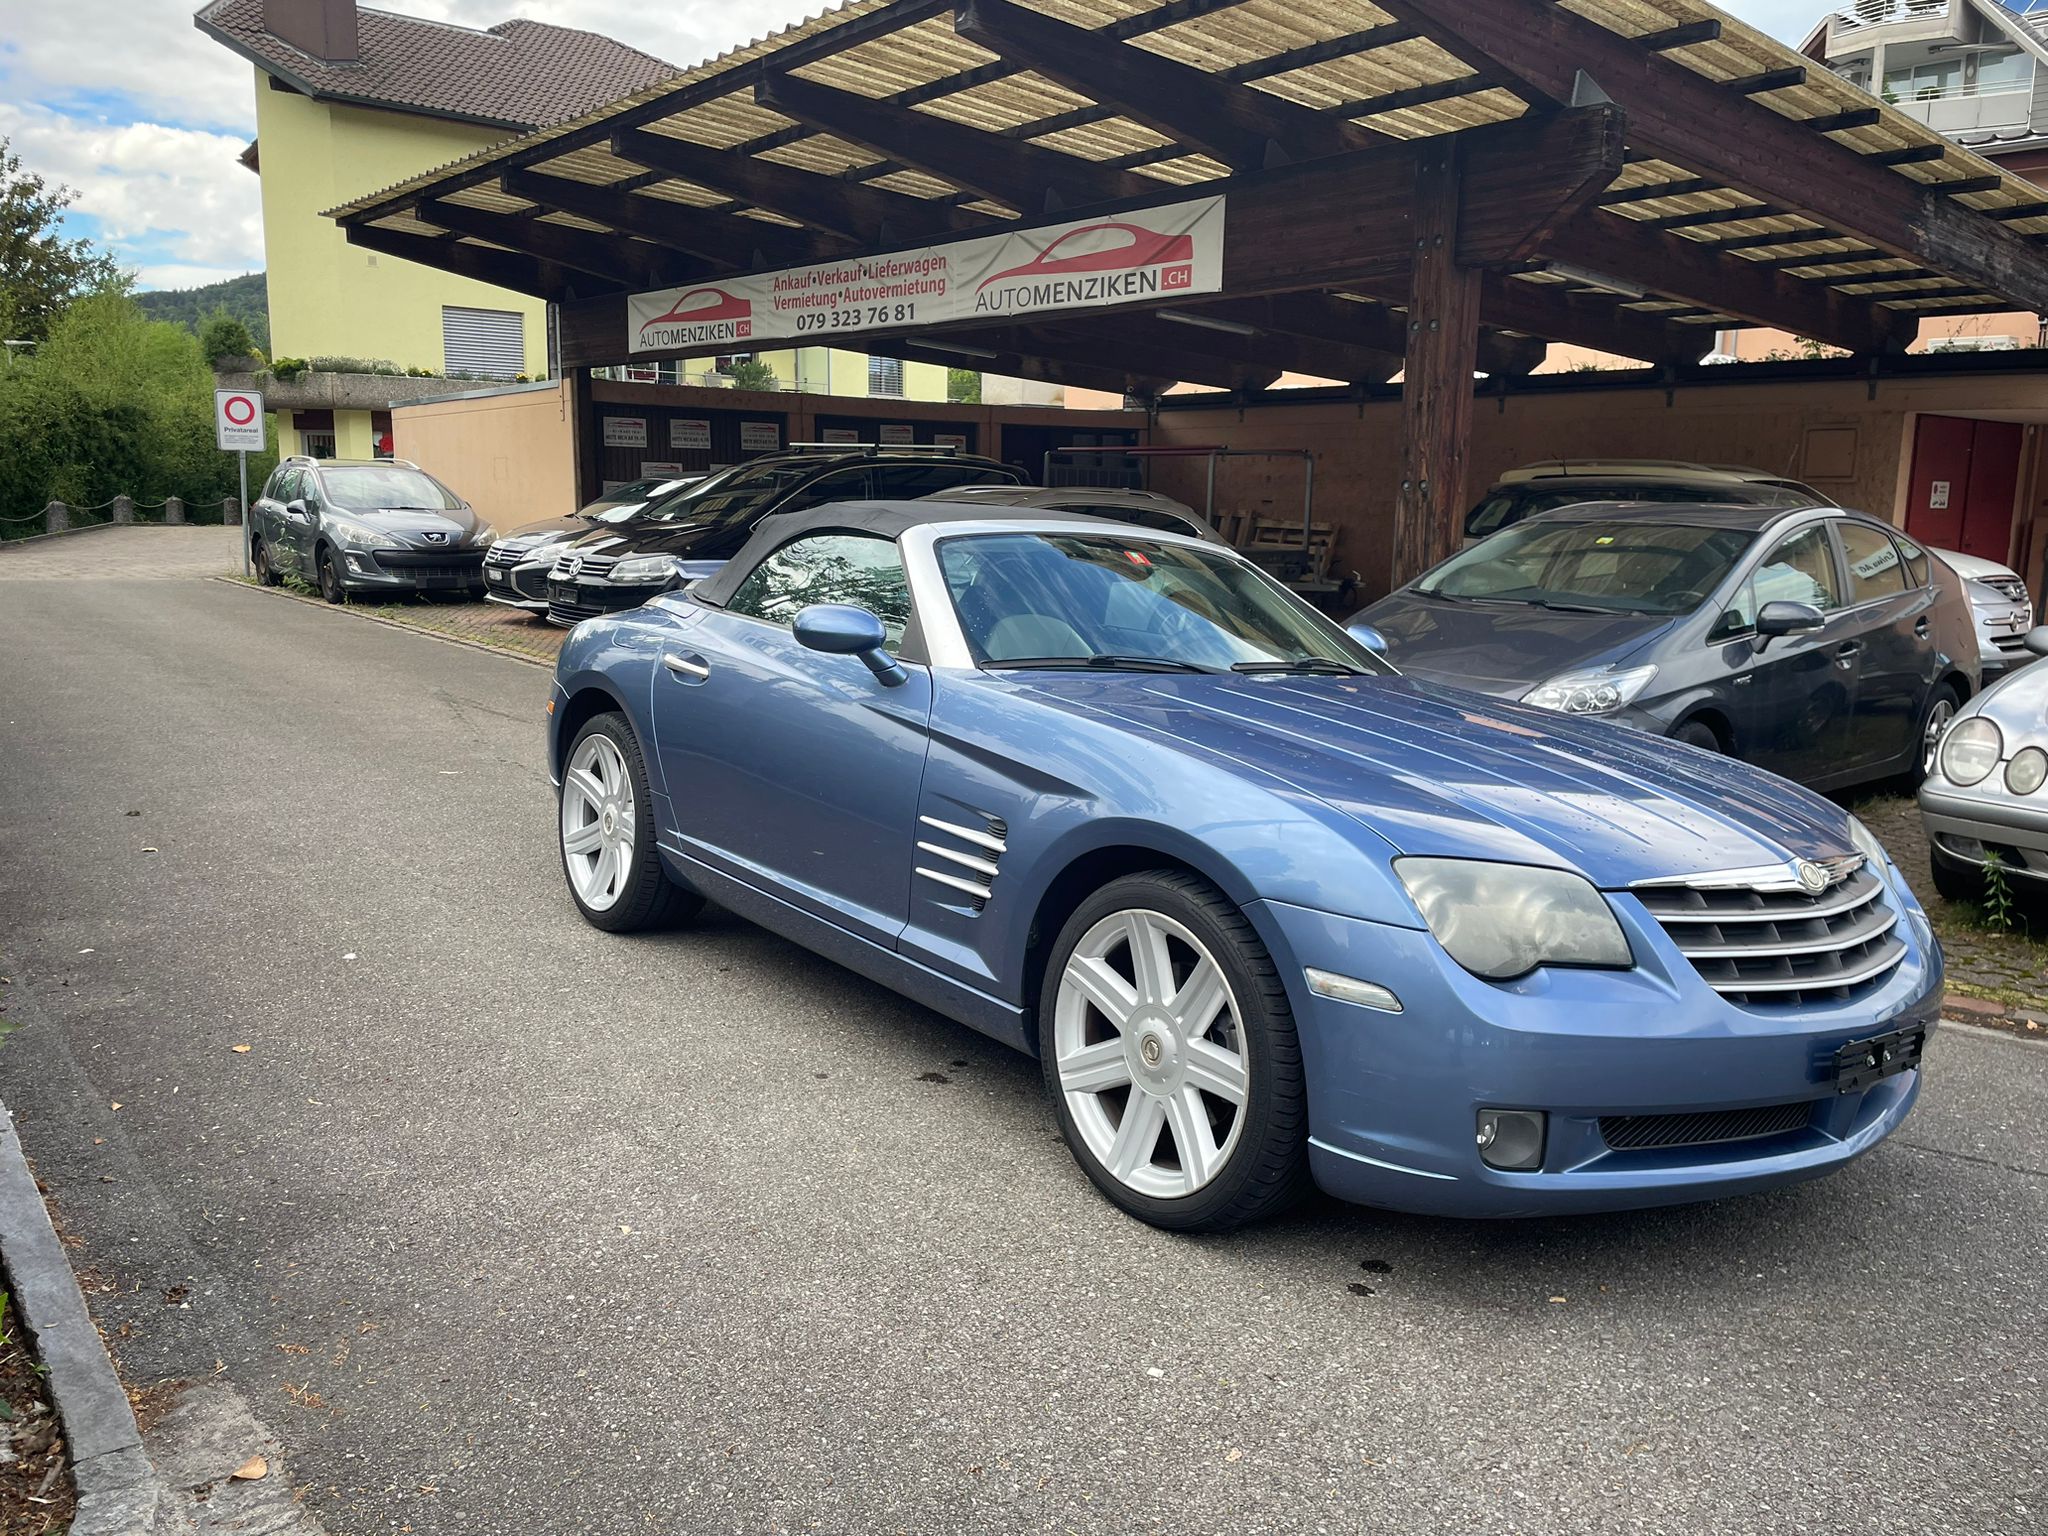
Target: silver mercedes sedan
(1986, 799)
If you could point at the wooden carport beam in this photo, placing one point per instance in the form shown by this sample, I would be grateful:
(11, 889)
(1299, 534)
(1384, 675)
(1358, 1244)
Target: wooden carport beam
(1436, 391)
(1690, 120)
(1246, 128)
(1544, 309)
(868, 216)
(630, 263)
(1016, 174)
(1672, 266)
(501, 269)
(740, 245)
(1372, 327)
(1046, 364)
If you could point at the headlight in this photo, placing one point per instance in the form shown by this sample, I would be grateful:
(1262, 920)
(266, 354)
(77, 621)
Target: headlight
(1867, 844)
(1501, 921)
(642, 569)
(1970, 750)
(2027, 771)
(485, 535)
(360, 536)
(1599, 691)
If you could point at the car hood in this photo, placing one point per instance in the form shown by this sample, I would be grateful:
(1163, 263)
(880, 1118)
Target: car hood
(683, 539)
(2019, 705)
(1501, 648)
(1975, 567)
(416, 526)
(547, 525)
(1440, 771)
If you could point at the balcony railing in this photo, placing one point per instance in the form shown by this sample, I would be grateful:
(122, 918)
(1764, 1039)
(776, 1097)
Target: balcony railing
(1878, 13)
(1966, 108)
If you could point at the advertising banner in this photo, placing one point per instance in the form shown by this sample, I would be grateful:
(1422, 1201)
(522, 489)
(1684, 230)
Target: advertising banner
(625, 431)
(689, 432)
(1098, 263)
(760, 436)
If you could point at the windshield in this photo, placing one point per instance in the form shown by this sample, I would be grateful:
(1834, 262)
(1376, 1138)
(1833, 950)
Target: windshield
(745, 490)
(1075, 599)
(386, 487)
(1647, 567)
(623, 503)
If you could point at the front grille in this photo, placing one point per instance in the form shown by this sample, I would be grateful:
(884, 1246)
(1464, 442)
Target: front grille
(1631, 1133)
(583, 567)
(1770, 945)
(454, 563)
(2008, 587)
(506, 555)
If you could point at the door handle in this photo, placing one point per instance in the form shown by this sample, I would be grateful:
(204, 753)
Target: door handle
(1848, 648)
(693, 667)
(1920, 628)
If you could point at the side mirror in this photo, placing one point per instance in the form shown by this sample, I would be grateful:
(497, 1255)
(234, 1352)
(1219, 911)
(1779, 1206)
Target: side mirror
(1783, 618)
(2037, 640)
(296, 511)
(1368, 637)
(839, 629)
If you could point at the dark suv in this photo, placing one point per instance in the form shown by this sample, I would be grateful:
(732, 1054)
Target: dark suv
(691, 535)
(366, 525)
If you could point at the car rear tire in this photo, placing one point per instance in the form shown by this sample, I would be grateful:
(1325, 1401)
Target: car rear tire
(329, 575)
(1955, 882)
(1697, 733)
(1942, 705)
(605, 834)
(1171, 1057)
(259, 559)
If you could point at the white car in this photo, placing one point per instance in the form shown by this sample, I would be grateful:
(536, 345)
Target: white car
(1987, 796)
(2004, 610)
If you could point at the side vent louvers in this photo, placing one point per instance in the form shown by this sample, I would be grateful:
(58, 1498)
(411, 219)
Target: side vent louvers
(968, 856)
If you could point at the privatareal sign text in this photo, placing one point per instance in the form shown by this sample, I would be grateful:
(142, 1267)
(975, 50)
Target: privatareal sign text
(1098, 263)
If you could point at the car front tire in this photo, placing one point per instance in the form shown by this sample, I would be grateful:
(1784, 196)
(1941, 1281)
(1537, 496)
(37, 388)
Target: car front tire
(605, 834)
(328, 571)
(1171, 1057)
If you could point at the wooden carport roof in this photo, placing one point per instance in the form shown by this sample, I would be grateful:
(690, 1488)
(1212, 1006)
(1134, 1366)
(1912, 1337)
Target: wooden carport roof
(1628, 175)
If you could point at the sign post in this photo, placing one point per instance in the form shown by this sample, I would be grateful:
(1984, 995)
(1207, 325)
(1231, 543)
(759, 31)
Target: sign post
(238, 427)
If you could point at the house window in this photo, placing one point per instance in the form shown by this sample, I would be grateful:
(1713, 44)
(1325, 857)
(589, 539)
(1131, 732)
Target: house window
(317, 445)
(1933, 81)
(885, 376)
(485, 343)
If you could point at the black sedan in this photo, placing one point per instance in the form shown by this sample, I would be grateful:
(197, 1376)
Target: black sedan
(516, 570)
(1820, 644)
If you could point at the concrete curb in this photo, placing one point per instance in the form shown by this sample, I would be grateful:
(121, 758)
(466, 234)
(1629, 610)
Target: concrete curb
(351, 611)
(118, 1492)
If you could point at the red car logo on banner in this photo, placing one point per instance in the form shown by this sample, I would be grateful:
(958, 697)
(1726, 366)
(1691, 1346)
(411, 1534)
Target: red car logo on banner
(712, 305)
(1134, 248)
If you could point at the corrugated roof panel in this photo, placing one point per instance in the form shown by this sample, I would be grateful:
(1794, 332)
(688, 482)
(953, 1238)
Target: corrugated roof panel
(688, 193)
(822, 154)
(1474, 111)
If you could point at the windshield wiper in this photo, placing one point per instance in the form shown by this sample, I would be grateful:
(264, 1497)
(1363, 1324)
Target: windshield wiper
(1323, 665)
(1107, 663)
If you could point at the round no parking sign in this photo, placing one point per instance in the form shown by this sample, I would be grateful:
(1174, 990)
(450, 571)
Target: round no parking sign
(238, 419)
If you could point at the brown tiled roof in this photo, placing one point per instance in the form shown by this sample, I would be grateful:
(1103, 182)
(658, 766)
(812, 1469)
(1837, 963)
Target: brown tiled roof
(518, 74)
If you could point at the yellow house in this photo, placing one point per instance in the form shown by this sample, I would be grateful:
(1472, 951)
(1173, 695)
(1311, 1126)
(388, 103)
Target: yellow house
(349, 98)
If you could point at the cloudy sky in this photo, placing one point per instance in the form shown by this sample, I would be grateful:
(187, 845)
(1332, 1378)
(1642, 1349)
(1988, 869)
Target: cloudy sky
(146, 120)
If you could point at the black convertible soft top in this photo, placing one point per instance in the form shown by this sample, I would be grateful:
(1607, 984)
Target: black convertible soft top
(884, 519)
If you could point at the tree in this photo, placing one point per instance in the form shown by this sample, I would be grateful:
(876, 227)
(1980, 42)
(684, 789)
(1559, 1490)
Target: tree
(41, 271)
(223, 339)
(963, 386)
(245, 297)
(750, 373)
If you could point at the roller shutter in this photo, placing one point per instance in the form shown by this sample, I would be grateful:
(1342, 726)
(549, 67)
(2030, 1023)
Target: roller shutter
(490, 343)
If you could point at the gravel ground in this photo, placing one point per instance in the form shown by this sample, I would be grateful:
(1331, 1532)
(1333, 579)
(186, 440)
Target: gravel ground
(504, 1225)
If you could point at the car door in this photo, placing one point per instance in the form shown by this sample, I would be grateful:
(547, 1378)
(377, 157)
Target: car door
(1792, 694)
(268, 506)
(1890, 619)
(305, 530)
(283, 527)
(796, 771)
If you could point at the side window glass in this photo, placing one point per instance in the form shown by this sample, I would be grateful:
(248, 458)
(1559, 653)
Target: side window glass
(287, 486)
(845, 485)
(1915, 558)
(309, 490)
(829, 568)
(1875, 569)
(1800, 570)
(270, 486)
(1738, 618)
(908, 482)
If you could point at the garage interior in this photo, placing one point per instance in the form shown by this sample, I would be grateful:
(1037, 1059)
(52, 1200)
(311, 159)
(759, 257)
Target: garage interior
(1423, 198)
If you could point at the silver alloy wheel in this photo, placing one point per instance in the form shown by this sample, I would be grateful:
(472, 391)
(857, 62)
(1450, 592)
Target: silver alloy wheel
(1938, 719)
(597, 822)
(1150, 1054)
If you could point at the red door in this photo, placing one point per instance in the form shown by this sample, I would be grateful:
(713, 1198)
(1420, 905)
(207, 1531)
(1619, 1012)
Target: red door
(1965, 473)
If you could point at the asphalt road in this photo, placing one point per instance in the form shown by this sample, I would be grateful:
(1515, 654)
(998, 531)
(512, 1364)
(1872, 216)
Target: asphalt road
(508, 1226)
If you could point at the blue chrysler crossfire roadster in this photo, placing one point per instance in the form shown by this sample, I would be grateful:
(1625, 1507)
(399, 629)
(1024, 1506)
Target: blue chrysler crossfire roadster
(1267, 912)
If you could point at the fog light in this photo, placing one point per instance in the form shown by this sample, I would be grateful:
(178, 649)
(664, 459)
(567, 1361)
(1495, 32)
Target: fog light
(355, 562)
(1349, 989)
(1511, 1139)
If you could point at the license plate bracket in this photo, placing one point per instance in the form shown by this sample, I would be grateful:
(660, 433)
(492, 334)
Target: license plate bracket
(1861, 1063)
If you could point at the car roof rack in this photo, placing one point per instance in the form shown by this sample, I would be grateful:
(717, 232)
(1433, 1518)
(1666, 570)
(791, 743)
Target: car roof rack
(307, 459)
(871, 450)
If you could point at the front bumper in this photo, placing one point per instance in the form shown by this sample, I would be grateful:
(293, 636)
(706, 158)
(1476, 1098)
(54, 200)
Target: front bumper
(1962, 823)
(571, 602)
(412, 570)
(522, 585)
(1394, 1098)
(2001, 638)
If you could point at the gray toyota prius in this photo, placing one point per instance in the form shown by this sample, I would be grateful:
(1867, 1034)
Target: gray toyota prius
(1817, 643)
